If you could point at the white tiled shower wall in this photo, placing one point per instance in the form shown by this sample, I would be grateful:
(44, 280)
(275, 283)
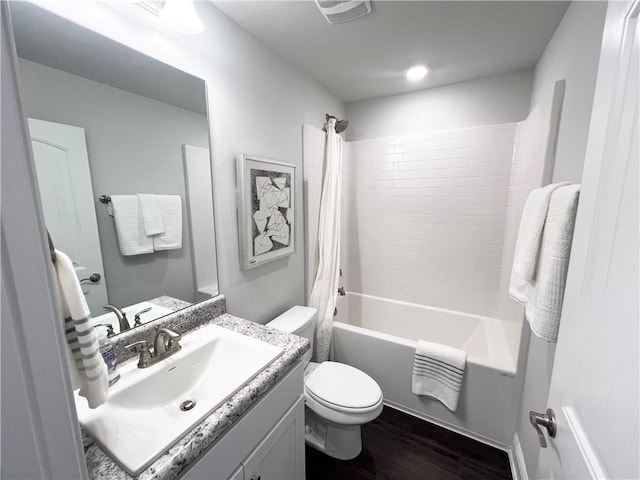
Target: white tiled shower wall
(425, 217)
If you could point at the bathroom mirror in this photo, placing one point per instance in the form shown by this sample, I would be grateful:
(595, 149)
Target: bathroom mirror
(121, 145)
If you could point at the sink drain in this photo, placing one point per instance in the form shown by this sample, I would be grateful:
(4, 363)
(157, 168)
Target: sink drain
(187, 405)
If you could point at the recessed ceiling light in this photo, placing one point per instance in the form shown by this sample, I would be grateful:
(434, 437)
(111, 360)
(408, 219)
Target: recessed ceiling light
(417, 72)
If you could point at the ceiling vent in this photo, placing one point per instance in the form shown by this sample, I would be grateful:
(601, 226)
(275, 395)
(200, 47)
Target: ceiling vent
(343, 11)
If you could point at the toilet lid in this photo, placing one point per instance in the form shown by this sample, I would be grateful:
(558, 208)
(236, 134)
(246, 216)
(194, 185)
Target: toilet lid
(343, 386)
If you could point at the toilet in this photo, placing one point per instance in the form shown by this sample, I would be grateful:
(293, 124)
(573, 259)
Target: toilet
(339, 398)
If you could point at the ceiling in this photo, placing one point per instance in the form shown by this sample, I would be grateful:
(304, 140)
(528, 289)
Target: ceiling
(48, 39)
(368, 58)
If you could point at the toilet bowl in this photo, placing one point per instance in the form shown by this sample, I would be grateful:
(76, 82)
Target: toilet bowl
(338, 398)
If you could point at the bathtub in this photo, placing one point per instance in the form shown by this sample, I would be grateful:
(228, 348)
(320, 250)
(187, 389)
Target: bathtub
(379, 335)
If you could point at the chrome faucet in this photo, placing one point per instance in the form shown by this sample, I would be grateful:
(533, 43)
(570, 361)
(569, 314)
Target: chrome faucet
(165, 344)
(122, 317)
(166, 341)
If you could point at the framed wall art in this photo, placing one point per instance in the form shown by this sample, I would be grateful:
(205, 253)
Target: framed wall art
(266, 210)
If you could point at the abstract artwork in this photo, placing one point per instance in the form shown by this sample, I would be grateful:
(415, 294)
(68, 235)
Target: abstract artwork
(265, 210)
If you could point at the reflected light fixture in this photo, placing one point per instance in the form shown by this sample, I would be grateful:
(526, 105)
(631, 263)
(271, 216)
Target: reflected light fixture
(417, 72)
(180, 16)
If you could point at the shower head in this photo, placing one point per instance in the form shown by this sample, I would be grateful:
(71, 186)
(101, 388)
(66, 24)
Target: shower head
(341, 125)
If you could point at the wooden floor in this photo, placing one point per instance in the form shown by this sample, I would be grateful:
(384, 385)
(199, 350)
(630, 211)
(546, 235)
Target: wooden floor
(397, 446)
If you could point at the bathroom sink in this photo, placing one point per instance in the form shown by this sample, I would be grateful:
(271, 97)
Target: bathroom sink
(150, 409)
(110, 318)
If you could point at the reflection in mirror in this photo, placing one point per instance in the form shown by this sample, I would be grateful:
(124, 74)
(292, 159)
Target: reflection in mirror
(107, 121)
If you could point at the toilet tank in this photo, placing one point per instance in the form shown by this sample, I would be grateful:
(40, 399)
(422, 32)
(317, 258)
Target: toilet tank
(299, 321)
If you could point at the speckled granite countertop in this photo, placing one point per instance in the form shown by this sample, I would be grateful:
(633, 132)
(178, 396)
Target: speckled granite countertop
(171, 303)
(172, 463)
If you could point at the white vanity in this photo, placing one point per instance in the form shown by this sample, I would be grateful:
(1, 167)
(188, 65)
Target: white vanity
(266, 443)
(248, 421)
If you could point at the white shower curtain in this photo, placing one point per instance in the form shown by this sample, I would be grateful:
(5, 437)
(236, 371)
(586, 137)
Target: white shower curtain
(324, 293)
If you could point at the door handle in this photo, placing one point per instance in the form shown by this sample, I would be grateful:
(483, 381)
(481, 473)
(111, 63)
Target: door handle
(93, 278)
(547, 420)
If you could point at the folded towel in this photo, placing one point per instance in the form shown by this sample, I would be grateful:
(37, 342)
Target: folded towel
(129, 227)
(544, 305)
(83, 344)
(171, 239)
(151, 214)
(527, 248)
(438, 371)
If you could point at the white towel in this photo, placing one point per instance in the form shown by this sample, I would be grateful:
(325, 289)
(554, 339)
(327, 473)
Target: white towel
(151, 214)
(544, 305)
(82, 341)
(129, 227)
(171, 239)
(527, 248)
(438, 371)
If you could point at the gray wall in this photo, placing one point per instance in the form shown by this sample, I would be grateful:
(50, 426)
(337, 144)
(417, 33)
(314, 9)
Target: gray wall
(499, 99)
(135, 146)
(257, 105)
(572, 54)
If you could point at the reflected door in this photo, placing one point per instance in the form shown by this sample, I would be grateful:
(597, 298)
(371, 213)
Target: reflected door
(64, 179)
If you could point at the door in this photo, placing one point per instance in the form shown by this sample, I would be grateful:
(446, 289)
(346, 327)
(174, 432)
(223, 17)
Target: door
(64, 180)
(594, 385)
(280, 456)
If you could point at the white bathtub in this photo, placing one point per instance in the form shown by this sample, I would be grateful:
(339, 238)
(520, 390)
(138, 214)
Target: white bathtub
(379, 336)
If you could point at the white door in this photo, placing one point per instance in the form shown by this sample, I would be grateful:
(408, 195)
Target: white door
(64, 180)
(594, 386)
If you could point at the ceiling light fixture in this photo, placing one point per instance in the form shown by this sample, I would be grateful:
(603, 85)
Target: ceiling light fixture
(417, 72)
(181, 16)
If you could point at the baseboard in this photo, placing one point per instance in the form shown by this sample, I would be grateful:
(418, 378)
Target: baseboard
(449, 426)
(516, 460)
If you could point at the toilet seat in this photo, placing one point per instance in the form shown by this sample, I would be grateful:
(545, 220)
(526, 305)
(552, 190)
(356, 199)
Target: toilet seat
(343, 388)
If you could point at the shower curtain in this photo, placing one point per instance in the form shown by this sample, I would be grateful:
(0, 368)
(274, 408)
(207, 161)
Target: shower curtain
(324, 292)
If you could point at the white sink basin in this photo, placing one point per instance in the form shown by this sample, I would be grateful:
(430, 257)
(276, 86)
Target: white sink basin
(142, 417)
(110, 318)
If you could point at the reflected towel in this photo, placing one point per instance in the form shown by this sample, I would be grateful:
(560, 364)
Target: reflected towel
(90, 370)
(127, 215)
(438, 371)
(525, 257)
(151, 214)
(171, 239)
(544, 305)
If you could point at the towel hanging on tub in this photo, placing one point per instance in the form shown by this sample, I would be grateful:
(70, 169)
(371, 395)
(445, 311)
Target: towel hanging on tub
(438, 372)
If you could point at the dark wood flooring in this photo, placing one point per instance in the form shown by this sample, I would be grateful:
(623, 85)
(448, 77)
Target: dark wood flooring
(397, 446)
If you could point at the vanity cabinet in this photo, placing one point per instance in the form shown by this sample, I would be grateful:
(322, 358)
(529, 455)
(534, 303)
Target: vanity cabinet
(280, 456)
(266, 443)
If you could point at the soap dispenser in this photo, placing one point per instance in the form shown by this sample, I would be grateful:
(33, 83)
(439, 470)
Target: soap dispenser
(108, 352)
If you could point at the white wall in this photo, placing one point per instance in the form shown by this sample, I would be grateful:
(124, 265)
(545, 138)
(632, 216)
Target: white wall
(257, 105)
(485, 101)
(134, 146)
(572, 54)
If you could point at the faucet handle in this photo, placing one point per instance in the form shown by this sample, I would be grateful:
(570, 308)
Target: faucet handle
(145, 354)
(110, 331)
(136, 318)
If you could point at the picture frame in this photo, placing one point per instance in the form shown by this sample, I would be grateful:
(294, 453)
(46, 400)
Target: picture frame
(266, 210)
